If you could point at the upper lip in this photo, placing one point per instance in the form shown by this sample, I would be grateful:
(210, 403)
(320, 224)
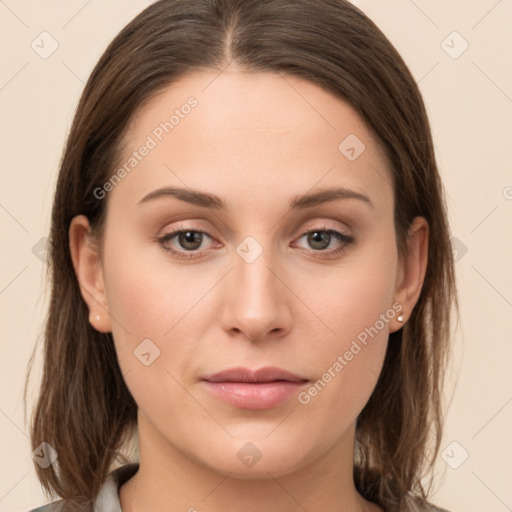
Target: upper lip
(265, 374)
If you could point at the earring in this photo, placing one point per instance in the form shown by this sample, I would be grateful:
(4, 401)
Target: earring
(400, 317)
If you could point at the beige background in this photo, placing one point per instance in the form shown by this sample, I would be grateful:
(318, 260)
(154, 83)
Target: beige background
(469, 99)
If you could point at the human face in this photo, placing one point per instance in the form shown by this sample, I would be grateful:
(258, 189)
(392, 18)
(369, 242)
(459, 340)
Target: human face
(253, 290)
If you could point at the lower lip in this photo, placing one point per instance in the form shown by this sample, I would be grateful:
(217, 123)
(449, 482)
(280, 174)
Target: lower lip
(262, 395)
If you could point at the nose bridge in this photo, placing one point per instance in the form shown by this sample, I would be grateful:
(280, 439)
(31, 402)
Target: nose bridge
(255, 305)
(254, 259)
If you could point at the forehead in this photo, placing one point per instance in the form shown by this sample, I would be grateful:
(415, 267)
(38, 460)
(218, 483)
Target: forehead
(235, 132)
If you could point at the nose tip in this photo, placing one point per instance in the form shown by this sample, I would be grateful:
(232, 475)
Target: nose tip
(262, 336)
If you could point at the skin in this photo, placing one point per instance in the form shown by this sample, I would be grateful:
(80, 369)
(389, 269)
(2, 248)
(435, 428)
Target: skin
(257, 141)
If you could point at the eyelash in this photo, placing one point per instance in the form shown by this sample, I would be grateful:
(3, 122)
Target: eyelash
(346, 239)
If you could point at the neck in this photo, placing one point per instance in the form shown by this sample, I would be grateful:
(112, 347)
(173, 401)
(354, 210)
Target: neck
(170, 480)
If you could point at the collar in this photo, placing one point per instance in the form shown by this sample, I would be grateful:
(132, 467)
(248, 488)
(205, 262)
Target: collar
(107, 499)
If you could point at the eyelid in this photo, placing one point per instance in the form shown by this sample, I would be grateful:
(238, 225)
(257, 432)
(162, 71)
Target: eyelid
(325, 225)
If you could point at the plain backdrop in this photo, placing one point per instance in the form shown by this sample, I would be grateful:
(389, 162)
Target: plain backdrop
(460, 53)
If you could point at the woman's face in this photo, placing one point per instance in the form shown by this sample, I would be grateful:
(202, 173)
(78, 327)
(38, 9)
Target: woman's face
(255, 289)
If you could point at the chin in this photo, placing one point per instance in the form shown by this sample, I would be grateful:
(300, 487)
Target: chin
(254, 459)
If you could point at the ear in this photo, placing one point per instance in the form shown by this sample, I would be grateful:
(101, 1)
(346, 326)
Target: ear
(412, 269)
(89, 271)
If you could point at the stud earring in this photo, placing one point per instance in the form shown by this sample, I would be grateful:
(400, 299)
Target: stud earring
(400, 317)
(97, 317)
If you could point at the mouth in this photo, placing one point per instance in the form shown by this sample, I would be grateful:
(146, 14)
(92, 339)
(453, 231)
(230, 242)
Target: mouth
(254, 389)
(265, 374)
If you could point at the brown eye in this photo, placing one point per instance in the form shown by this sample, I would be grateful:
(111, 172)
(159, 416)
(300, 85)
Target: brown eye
(187, 242)
(190, 240)
(320, 239)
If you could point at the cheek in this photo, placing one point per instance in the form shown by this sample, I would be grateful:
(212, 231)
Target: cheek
(355, 308)
(347, 363)
(150, 306)
(147, 296)
(352, 296)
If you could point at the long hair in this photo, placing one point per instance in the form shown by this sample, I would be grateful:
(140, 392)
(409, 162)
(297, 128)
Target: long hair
(84, 410)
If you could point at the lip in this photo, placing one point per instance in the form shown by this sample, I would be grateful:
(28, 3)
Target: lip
(265, 374)
(254, 389)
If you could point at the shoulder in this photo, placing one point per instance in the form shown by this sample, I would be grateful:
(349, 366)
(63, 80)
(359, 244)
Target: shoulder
(106, 499)
(56, 506)
(62, 505)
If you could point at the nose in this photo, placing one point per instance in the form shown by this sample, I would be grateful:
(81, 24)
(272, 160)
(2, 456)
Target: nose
(257, 300)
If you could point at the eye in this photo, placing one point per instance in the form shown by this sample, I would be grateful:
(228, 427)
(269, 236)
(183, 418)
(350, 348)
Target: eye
(320, 239)
(187, 239)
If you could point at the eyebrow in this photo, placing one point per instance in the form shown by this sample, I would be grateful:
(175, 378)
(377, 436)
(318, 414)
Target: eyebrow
(299, 202)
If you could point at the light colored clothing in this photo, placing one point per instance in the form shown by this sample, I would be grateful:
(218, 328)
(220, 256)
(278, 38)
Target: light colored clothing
(107, 499)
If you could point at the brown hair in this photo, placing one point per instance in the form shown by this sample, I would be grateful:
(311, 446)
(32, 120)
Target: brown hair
(84, 410)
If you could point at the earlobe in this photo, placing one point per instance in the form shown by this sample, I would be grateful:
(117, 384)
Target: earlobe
(88, 269)
(413, 267)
